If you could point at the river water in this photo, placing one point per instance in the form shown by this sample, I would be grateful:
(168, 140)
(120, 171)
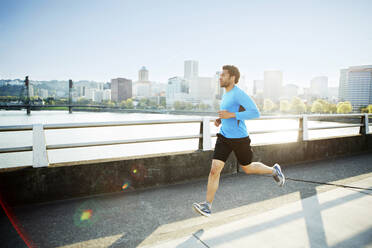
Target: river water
(77, 135)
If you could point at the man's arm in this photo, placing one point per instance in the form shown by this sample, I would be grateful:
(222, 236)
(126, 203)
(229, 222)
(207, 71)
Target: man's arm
(251, 110)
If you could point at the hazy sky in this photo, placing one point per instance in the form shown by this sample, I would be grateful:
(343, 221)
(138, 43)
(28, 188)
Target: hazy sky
(99, 40)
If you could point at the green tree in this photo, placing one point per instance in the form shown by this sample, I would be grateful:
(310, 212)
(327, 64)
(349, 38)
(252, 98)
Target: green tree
(129, 103)
(143, 103)
(284, 106)
(178, 105)
(189, 106)
(333, 109)
(298, 106)
(204, 106)
(344, 107)
(317, 107)
(123, 104)
(163, 102)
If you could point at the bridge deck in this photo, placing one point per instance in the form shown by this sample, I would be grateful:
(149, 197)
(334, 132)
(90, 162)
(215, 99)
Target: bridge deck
(249, 210)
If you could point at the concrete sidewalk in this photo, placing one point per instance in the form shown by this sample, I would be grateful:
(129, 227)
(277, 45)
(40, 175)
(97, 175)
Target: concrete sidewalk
(253, 203)
(338, 218)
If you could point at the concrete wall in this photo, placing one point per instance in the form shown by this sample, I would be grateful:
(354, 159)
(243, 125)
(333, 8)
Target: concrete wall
(316, 149)
(32, 185)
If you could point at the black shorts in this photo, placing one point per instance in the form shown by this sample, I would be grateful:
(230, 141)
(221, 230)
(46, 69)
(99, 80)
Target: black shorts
(240, 146)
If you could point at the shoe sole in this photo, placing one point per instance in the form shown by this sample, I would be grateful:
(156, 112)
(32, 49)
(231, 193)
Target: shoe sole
(200, 212)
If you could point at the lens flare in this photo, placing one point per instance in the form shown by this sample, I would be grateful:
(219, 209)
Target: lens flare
(86, 215)
(125, 186)
(138, 172)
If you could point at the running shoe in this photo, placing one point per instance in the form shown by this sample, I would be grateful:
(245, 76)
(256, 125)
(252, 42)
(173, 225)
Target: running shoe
(278, 177)
(202, 208)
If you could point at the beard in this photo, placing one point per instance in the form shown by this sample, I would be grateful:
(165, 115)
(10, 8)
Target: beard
(224, 84)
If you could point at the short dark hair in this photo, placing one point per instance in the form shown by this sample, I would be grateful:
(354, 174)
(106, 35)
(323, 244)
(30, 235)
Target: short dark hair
(233, 71)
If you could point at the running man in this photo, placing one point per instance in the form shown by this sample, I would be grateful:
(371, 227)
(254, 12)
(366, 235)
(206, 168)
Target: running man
(233, 136)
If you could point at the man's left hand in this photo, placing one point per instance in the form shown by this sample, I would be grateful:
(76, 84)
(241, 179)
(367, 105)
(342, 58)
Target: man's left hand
(224, 114)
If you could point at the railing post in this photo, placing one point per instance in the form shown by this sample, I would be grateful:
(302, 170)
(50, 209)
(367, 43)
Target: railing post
(300, 131)
(205, 139)
(39, 153)
(200, 147)
(70, 96)
(206, 134)
(28, 107)
(305, 131)
(364, 129)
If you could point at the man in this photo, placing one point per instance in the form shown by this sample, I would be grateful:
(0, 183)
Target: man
(233, 136)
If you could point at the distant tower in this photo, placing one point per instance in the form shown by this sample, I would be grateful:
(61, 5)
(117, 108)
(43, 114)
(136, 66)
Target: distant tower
(191, 69)
(143, 85)
(143, 74)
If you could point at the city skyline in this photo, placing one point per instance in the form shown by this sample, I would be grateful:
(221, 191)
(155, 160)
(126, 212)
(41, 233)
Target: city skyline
(95, 40)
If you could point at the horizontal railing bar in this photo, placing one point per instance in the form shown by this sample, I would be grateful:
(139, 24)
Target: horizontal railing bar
(16, 128)
(100, 124)
(278, 117)
(338, 115)
(119, 142)
(16, 149)
(119, 123)
(275, 130)
(149, 122)
(330, 127)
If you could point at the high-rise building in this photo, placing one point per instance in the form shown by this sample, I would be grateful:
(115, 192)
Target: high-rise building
(218, 91)
(191, 69)
(273, 84)
(177, 90)
(356, 86)
(142, 87)
(319, 87)
(121, 89)
(143, 74)
(176, 85)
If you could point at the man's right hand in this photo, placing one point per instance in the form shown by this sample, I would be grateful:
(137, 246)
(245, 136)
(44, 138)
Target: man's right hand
(217, 122)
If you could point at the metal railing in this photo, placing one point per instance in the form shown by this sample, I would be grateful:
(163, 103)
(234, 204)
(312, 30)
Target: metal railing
(39, 146)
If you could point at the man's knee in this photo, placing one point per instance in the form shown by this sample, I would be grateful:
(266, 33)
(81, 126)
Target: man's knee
(217, 166)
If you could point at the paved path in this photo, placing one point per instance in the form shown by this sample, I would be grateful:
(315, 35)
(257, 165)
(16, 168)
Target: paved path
(245, 209)
(338, 218)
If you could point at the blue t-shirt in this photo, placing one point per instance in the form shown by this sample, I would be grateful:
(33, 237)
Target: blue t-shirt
(231, 101)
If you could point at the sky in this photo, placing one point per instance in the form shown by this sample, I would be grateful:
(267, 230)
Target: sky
(100, 40)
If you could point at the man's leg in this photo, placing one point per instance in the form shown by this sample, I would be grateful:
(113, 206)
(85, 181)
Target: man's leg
(214, 179)
(258, 168)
